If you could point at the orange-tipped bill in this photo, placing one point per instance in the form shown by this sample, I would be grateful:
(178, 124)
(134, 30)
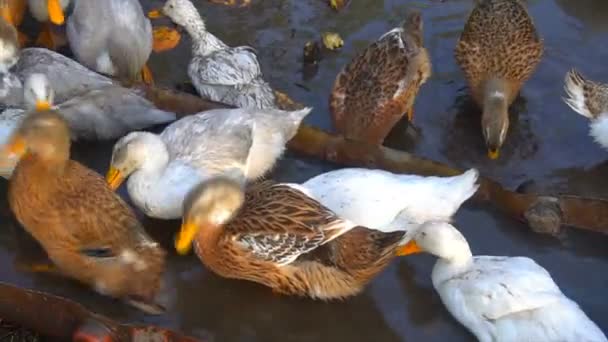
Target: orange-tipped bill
(42, 105)
(493, 154)
(187, 233)
(12, 152)
(409, 248)
(55, 12)
(155, 14)
(114, 178)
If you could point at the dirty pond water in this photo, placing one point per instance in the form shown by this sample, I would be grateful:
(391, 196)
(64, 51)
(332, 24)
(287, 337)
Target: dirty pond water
(548, 144)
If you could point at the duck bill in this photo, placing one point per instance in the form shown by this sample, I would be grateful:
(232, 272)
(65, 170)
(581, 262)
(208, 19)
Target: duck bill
(187, 233)
(43, 105)
(55, 12)
(13, 150)
(409, 248)
(493, 154)
(155, 14)
(114, 178)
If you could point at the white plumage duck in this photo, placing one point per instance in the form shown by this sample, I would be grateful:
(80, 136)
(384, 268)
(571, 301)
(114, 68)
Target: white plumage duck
(389, 202)
(162, 169)
(497, 298)
(589, 99)
(225, 74)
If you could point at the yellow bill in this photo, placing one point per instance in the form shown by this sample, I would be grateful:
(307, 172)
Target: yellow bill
(183, 241)
(155, 14)
(114, 178)
(43, 105)
(409, 248)
(55, 12)
(493, 154)
(12, 151)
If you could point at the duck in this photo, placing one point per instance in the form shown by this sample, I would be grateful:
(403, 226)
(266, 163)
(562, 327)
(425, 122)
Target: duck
(373, 92)
(387, 201)
(99, 114)
(10, 85)
(589, 99)
(89, 233)
(49, 13)
(230, 75)
(499, 298)
(498, 50)
(112, 37)
(12, 12)
(275, 235)
(67, 77)
(162, 168)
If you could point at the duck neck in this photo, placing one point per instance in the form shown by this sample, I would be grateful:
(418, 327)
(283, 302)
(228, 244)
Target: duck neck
(151, 170)
(449, 267)
(496, 93)
(203, 42)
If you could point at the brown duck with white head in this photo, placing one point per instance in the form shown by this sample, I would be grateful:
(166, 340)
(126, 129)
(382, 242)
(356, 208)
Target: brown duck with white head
(498, 51)
(373, 92)
(278, 236)
(88, 232)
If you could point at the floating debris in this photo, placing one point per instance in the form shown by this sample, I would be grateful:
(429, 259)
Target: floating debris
(312, 52)
(165, 38)
(338, 4)
(332, 40)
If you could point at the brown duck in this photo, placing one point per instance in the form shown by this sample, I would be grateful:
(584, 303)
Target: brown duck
(275, 235)
(498, 51)
(88, 232)
(373, 92)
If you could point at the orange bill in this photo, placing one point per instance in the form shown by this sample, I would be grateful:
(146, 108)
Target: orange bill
(155, 14)
(187, 233)
(114, 178)
(55, 12)
(409, 248)
(493, 154)
(42, 105)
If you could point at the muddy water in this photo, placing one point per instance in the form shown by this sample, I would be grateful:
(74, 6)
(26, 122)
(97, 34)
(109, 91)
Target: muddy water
(548, 144)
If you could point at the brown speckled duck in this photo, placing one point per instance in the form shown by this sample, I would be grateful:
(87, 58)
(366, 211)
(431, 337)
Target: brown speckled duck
(88, 232)
(498, 51)
(373, 92)
(276, 235)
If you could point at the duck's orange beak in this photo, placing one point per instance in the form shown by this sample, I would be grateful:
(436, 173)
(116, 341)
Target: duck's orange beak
(42, 105)
(155, 14)
(114, 178)
(13, 150)
(409, 248)
(55, 12)
(493, 154)
(187, 233)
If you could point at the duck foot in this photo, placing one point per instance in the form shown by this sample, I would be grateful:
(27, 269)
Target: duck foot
(236, 3)
(165, 38)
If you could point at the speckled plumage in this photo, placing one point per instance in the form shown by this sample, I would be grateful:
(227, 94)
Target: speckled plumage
(113, 37)
(87, 230)
(589, 99)
(230, 75)
(498, 51)
(373, 92)
(289, 242)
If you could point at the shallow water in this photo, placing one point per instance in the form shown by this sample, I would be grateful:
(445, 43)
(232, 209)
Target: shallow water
(548, 144)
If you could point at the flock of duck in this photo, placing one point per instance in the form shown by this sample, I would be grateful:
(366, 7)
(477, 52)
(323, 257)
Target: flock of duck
(325, 238)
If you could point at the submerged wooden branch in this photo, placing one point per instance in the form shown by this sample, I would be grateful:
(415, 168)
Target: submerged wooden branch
(544, 213)
(63, 319)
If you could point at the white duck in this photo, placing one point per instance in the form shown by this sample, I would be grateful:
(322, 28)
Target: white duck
(48, 12)
(500, 299)
(68, 77)
(244, 143)
(389, 202)
(590, 99)
(10, 85)
(99, 114)
(230, 75)
(113, 37)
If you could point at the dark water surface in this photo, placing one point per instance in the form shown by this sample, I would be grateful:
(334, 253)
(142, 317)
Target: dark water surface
(548, 143)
